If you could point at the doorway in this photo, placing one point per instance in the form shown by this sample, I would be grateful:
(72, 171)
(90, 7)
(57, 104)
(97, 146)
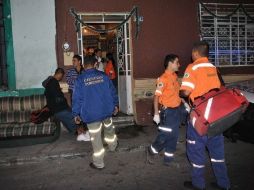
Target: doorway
(117, 42)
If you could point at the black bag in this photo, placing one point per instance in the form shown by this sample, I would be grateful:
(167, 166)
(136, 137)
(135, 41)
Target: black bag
(39, 116)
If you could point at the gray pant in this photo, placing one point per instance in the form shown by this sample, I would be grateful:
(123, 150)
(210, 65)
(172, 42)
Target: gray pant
(109, 137)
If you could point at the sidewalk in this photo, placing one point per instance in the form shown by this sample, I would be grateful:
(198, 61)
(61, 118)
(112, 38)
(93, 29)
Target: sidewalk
(131, 139)
(64, 164)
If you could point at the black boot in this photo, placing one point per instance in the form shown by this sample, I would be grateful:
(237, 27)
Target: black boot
(150, 156)
(189, 185)
(216, 186)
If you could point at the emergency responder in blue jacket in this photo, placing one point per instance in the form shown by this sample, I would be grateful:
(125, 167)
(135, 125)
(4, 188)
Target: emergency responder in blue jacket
(94, 101)
(200, 77)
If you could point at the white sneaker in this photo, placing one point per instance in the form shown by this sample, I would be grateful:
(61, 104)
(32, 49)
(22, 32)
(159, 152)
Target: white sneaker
(83, 137)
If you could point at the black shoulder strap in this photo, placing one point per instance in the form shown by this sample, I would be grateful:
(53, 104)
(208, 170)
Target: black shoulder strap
(220, 77)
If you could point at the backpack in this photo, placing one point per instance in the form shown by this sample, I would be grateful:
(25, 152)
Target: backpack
(41, 115)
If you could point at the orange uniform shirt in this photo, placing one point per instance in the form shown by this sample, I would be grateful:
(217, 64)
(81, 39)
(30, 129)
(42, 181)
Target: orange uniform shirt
(110, 71)
(200, 77)
(168, 90)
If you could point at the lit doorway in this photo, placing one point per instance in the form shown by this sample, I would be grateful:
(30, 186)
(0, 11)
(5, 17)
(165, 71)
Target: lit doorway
(117, 42)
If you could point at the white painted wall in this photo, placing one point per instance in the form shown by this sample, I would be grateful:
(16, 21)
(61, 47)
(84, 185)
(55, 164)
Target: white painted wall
(34, 31)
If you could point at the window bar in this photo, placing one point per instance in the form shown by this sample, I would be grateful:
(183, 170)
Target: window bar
(246, 41)
(200, 21)
(238, 38)
(230, 41)
(216, 39)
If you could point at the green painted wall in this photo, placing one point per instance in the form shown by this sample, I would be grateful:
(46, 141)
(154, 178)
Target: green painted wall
(9, 45)
(12, 91)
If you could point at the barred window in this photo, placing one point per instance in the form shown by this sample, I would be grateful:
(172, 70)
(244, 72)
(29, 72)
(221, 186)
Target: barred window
(229, 30)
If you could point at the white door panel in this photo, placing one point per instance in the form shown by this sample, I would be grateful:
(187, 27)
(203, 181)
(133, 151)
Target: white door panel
(124, 69)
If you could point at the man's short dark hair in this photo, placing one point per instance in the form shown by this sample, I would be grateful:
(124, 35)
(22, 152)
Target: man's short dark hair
(169, 58)
(202, 48)
(59, 71)
(78, 57)
(89, 60)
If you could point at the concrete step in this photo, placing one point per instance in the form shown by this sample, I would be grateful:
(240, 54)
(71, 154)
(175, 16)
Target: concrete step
(123, 121)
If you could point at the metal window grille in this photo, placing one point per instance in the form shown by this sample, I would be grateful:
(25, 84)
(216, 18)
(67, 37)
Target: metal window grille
(231, 39)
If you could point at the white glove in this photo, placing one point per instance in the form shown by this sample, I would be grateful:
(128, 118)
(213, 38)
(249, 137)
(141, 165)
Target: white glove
(156, 119)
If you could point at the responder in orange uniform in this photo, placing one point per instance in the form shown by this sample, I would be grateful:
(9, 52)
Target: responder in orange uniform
(200, 77)
(167, 95)
(110, 71)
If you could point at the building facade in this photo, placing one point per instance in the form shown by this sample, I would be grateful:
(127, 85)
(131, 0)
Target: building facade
(40, 28)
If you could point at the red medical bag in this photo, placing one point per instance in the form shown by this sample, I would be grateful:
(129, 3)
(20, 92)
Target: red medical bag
(217, 110)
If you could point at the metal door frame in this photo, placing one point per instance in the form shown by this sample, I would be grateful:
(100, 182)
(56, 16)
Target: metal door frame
(125, 71)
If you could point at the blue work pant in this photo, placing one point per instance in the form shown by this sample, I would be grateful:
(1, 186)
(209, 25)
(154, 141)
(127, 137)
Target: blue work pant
(168, 133)
(196, 152)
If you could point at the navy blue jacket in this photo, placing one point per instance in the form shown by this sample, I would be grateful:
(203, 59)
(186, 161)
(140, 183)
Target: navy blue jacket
(94, 96)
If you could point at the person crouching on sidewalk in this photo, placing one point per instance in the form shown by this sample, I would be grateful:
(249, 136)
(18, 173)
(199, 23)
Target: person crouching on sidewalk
(58, 105)
(168, 118)
(94, 101)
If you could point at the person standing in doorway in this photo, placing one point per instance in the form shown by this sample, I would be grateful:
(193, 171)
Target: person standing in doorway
(94, 102)
(90, 51)
(73, 73)
(110, 68)
(200, 77)
(99, 64)
(168, 117)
